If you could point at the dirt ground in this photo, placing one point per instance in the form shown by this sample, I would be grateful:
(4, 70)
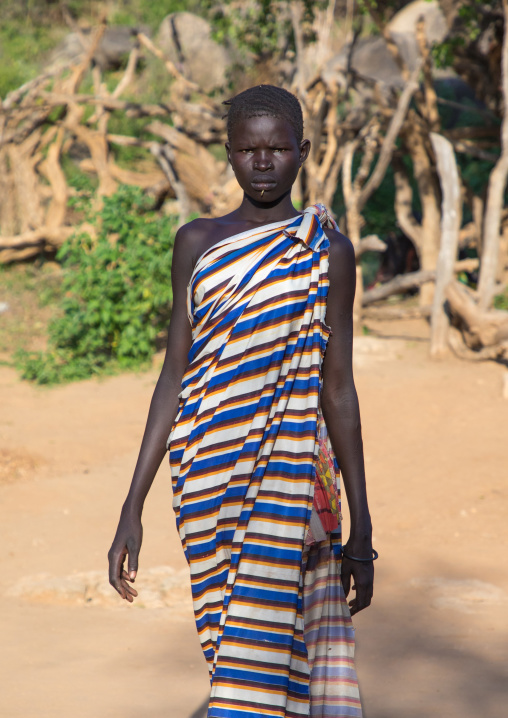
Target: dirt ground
(434, 642)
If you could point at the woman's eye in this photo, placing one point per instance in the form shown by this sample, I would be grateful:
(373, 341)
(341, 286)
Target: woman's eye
(279, 150)
(247, 152)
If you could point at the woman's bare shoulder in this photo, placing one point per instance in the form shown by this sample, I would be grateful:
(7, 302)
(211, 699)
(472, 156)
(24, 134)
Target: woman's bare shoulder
(341, 252)
(198, 235)
(193, 237)
(196, 229)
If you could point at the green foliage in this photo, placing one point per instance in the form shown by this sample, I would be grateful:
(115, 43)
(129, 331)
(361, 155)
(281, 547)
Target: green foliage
(473, 17)
(459, 109)
(379, 212)
(76, 178)
(121, 124)
(501, 301)
(130, 12)
(475, 173)
(116, 294)
(443, 53)
(30, 29)
(262, 28)
(21, 47)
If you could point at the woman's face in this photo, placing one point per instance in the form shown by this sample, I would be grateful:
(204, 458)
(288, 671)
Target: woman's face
(265, 157)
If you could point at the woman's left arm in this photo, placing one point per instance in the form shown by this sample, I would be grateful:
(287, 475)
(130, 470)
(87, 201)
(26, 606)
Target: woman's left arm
(339, 402)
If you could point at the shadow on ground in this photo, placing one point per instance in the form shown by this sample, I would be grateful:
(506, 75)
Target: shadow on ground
(415, 660)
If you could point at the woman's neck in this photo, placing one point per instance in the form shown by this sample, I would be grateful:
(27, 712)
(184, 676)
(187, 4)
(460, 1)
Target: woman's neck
(257, 212)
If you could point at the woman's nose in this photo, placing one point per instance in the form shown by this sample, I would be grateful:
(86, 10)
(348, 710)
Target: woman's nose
(262, 161)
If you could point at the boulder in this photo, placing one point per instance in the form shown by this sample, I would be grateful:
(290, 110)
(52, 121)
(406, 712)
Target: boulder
(404, 22)
(112, 52)
(68, 52)
(402, 27)
(186, 40)
(372, 59)
(115, 46)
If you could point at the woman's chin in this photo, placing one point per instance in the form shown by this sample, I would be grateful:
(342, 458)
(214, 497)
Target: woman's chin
(266, 197)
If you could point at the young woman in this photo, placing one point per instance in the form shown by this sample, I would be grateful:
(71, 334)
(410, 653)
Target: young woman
(257, 397)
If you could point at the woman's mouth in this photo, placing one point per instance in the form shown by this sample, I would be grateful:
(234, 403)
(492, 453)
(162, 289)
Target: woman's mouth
(263, 185)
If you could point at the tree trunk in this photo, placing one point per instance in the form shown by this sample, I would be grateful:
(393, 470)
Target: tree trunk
(450, 226)
(497, 184)
(480, 329)
(7, 199)
(50, 167)
(414, 137)
(502, 273)
(404, 205)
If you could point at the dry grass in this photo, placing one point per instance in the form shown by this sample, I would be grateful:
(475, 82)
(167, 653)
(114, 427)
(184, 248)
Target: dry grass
(31, 294)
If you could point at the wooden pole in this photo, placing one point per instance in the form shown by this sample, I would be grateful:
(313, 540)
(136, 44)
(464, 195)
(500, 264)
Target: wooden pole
(450, 227)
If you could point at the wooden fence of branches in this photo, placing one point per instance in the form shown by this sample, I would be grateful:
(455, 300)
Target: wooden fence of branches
(42, 120)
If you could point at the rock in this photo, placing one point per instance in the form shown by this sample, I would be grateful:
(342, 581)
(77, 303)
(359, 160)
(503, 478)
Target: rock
(115, 46)
(371, 57)
(4, 307)
(464, 595)
(186, 40)
(68, 52)
(402, 28)
(159, 587)
(112, 52)
(44, 588)
(368, 350)
(404, 22)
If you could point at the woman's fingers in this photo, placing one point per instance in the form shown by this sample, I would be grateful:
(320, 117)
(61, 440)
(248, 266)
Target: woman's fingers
(363, 583)
(118, 576)
(133, 547)
(130, 590)
(116, 559)
(126, 546)
(345, 577)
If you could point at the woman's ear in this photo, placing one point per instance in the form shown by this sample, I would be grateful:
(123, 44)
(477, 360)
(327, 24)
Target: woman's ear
(228, 151)
(304, 151)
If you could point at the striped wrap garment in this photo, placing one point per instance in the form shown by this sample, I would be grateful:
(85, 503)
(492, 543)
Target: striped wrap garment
(270, 611)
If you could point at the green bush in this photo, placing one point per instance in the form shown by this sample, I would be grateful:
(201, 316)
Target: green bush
(501, 301)
(116, 294)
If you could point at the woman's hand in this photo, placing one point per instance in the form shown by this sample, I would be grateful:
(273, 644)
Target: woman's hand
(363, 578)
(162, 414)
(127, 542)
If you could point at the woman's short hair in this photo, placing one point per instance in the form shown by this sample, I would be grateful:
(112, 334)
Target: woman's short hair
(265, 101)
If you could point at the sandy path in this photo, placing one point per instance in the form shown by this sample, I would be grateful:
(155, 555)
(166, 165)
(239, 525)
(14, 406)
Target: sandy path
(435, 642)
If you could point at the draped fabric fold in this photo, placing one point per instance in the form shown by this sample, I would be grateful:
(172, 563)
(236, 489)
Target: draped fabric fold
(243, 453)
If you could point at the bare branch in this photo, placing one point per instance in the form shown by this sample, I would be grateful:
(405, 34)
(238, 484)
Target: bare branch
(370, 243)
(389, 313)
(398, 285)
(129, 73)
(170, 66)
(388, 145)
(430, 97)
(404, 205)
(165, 157)
(403, 283)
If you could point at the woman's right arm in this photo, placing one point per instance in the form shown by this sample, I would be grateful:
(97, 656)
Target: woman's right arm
(162, 414)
